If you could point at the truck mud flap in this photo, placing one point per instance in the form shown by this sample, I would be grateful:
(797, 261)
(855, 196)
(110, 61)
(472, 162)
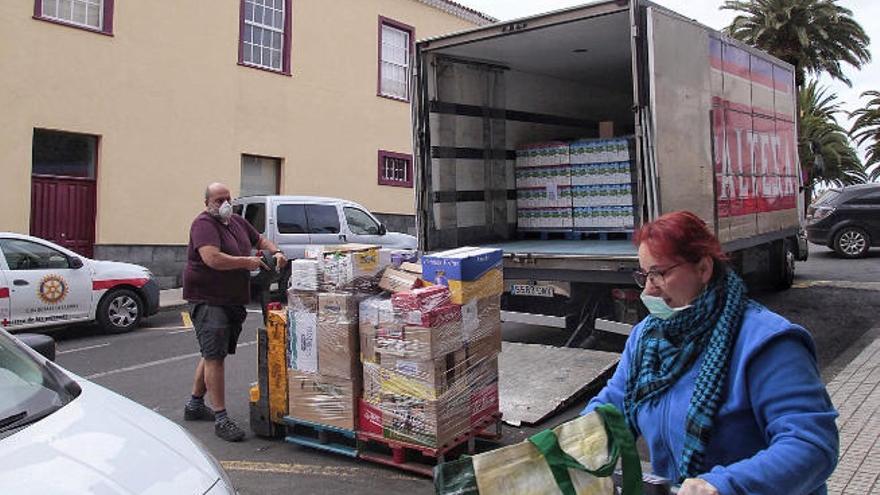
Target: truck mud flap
(537, 380)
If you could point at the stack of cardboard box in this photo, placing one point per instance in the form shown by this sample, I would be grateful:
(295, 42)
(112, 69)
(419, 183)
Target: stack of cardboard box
(430, 354)
(325, 374)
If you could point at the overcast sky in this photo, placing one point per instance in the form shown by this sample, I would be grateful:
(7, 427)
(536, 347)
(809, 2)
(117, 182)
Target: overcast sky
(865, 12)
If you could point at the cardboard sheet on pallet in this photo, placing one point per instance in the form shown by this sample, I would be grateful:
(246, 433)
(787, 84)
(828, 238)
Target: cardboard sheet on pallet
(536, 380)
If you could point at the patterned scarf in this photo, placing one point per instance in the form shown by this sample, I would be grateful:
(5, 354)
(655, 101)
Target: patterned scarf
(668, 348)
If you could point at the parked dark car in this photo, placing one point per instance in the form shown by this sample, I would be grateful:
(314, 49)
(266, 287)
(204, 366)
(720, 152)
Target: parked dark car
(846, 220)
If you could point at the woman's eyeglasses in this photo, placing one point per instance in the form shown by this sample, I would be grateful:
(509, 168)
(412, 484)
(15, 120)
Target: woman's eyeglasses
(655, 276)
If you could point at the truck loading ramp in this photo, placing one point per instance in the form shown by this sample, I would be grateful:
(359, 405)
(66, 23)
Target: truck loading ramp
(537, 380)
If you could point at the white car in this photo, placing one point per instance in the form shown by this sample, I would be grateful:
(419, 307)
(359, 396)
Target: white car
(62, 434)
(43, 284)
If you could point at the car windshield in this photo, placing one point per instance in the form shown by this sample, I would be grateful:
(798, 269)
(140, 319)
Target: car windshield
(29, 389)
(826, 197)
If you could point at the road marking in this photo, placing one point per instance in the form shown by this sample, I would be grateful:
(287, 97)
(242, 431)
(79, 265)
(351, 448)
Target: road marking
(85, 348)
(311, 470)
(175, 327)
(187, 321)
(840, 284)
(154, 363)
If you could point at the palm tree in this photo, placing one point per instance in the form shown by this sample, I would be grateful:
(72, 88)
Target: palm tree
(867, 129)
(814, 36)
(824, 146)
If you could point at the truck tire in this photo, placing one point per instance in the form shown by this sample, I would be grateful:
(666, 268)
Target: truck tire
(782, 265)
(119, 311)
(851, 242)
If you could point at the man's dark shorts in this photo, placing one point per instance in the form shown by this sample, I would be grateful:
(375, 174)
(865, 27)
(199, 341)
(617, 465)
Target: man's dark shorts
(217, 328)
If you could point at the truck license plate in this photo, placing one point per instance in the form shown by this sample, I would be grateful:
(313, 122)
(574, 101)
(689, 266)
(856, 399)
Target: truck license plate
(531, 290)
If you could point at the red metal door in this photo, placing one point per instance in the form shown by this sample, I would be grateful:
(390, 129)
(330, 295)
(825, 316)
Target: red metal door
(63, 211)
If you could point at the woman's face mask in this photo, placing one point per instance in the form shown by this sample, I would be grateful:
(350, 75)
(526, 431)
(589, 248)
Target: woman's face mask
(659, 309)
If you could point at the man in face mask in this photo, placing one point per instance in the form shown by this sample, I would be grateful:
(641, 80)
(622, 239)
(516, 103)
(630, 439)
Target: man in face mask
(216, 282)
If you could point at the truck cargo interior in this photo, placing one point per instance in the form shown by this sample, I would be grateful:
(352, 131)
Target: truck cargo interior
(492, 98)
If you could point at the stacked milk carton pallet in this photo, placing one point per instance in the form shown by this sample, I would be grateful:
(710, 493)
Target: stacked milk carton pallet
(543, 186)
(601, 178)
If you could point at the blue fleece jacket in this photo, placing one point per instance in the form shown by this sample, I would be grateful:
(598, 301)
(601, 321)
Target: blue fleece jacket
(774, 432)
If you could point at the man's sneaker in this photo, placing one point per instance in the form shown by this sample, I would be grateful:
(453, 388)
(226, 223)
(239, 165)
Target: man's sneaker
(198, 413)
(228, 430)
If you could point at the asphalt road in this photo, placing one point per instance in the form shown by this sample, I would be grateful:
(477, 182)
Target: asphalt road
(834, 299)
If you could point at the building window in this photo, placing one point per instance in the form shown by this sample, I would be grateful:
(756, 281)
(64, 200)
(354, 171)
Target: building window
(395, 169)
(259, 175)
(395, 49)
(64, 154)
(265, 35)
(96, 15)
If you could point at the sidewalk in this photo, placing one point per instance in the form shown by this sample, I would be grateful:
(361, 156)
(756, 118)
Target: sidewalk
(171, 298)
(854, 392)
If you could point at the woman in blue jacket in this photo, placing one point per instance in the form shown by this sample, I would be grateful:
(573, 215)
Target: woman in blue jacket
(726, 393)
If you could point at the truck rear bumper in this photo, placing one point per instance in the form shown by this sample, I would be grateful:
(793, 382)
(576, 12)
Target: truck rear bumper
(534, 319)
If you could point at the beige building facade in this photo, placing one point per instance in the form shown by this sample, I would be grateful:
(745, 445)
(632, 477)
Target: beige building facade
(116, 114)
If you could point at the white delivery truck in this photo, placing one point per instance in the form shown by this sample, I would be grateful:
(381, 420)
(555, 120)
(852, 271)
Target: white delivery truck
(707, 125)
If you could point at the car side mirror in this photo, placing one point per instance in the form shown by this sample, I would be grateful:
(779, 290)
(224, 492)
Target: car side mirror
(75, 262)
(43, 344)
(382, 229)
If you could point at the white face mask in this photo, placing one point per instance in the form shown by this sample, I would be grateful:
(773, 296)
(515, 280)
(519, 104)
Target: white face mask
(225, 211)
(658, 307)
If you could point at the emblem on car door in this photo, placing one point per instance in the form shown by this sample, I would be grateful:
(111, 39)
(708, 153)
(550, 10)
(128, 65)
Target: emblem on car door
(53, 289)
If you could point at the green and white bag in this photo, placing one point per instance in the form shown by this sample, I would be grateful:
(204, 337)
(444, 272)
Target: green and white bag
(575, 458)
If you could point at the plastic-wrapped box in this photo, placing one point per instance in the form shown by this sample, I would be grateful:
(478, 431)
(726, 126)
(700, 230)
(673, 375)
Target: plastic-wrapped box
(349, 267)
(432, 423)
(426, 306)
(304, 275)
(427, 379)
(324, 399)
(379, 324)
(394, 280)
(338, 346)
(302, 324)
(420, 343)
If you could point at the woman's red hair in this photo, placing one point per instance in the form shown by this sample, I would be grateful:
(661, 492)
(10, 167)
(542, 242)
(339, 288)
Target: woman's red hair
(680, 235)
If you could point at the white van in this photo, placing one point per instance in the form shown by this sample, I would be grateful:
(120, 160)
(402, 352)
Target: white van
(295, 222)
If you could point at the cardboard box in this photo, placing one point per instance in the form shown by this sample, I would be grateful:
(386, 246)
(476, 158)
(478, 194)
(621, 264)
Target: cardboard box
(489, 285)
(347, 266)
(367, 334)
(411, 267)
(443, 315)
(423, 299)
(481, 317)
(422, 378)
(372, 380)
(464, 264)
(421, 343)
(394, 280)
(302, 331)
(322, 399)
(433, 423)
(484, 402)
(484, 348)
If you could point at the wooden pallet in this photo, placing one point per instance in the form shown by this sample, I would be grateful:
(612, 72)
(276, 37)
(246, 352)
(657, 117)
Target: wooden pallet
(575, 235)
(421, 459)
(323, 437)
(601, 235)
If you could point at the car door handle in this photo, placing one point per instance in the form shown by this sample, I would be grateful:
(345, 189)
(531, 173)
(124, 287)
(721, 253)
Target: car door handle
(342, 238)
(19, 281)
